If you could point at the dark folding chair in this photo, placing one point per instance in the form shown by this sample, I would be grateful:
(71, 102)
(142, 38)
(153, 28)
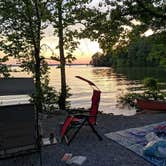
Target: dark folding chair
(76, 120)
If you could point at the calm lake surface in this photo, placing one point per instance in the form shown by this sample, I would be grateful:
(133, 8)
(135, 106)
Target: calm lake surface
(112, 82)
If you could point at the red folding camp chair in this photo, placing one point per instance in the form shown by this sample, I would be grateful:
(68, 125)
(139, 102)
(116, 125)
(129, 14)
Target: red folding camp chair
(78, 119)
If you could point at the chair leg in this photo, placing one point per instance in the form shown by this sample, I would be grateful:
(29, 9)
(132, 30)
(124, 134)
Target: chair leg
(76, 132)
(65, 136)
(69, 140)
(94, 130)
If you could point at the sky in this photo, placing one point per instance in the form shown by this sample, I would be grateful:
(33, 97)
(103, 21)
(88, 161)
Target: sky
(83, 53)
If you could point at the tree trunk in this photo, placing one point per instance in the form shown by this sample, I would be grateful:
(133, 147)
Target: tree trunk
(38, 88)
(38, 81)
(62, 98)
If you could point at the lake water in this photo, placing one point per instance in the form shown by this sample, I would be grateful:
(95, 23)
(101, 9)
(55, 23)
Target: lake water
(113, 83)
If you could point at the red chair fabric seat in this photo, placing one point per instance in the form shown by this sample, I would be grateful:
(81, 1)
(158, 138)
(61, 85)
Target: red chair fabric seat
(78, 120)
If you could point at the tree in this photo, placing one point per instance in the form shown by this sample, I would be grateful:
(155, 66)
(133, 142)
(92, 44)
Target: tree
(124, 39)
(66, 17)
(151, 12)
(21, 25)
(158, 49)
(97, 59)
(104, 26)
(4, 72)
(138, 15)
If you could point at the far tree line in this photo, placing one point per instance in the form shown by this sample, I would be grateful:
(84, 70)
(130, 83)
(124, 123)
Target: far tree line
(130, 47)
(143, 52)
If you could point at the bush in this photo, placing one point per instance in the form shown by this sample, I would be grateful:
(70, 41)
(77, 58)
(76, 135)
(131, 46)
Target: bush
(152, 92)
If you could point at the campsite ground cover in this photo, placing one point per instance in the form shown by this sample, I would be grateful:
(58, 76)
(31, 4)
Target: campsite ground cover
(99, 153)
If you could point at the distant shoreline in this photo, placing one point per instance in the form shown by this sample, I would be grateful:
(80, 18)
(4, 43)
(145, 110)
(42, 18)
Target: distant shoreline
(17, 65)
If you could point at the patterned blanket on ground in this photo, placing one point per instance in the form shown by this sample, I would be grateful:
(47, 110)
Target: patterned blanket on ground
(134, 139)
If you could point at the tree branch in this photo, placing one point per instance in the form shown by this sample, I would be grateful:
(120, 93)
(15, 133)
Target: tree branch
(150, 11)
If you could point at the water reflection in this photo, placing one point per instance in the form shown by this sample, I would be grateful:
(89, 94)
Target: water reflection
(113, 85)
(139, 73)
(112, 82)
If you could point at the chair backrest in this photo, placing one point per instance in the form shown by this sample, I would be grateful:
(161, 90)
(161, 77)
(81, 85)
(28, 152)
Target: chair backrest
(94, 106)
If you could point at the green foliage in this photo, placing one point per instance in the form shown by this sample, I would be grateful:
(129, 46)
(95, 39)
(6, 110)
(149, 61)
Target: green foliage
(151, 92)
(21, 27)
(152, 89)
(66, 18)
(129, 98)
(49, 97)
(143, 52)
(98, 59)
(127, 47)
(151, 12)
(104, 26)
(69, 17)
(163, 62)
(4, 71)
(150, 83)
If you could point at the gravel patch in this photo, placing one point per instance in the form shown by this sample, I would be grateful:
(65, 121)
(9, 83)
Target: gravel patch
(98, 153)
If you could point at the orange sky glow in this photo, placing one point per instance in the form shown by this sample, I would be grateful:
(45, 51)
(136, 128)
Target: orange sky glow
(83, 53)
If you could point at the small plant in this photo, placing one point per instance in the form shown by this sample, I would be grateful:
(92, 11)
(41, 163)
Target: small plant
(4, 71)
(152, 89)
(152, 92)
(129, 98)
(49, 99)
(151, 84)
